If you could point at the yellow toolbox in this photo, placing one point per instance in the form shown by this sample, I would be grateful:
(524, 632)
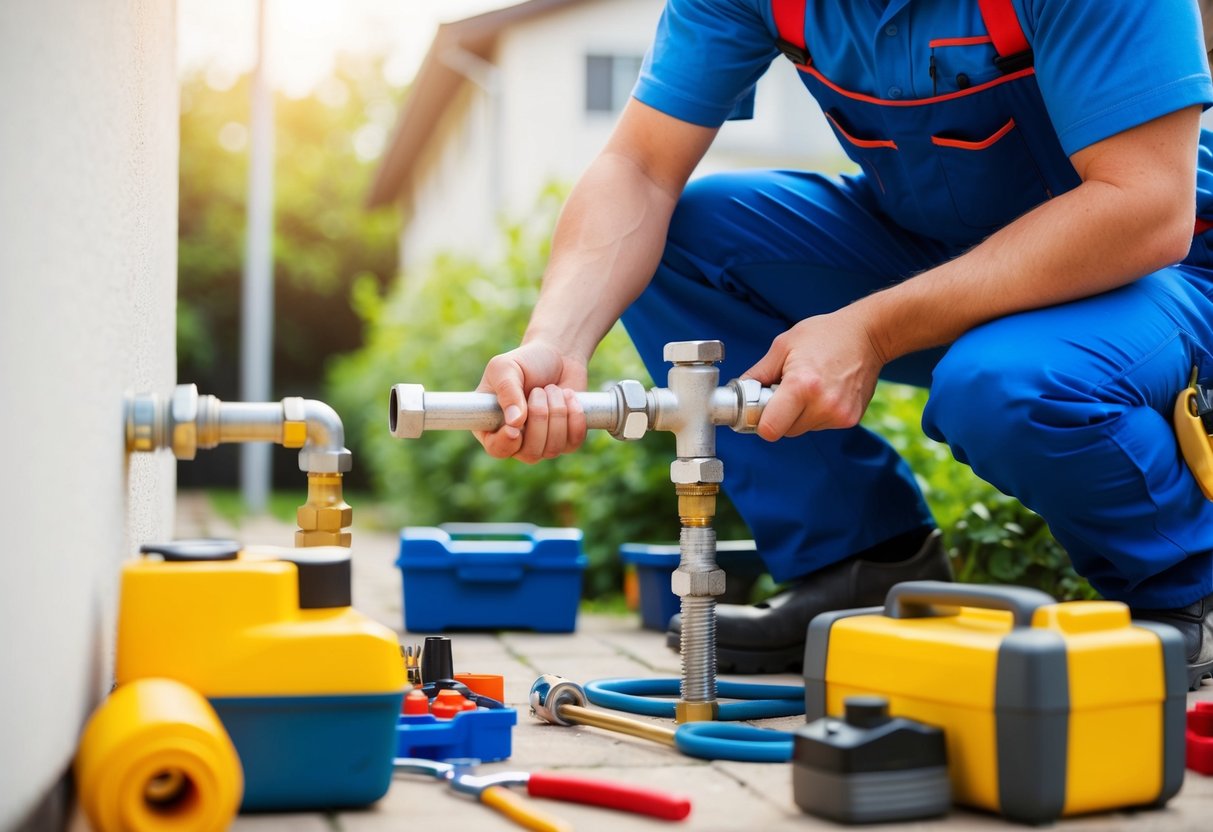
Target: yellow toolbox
(1049, 708)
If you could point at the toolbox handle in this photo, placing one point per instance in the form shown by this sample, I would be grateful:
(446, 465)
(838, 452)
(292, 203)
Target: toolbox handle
(917, 599)
(490, 574)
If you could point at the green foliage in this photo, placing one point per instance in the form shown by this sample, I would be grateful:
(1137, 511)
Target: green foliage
(324, 239)
(990, 537)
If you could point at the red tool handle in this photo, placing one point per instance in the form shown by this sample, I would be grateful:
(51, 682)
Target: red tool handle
(628, 798)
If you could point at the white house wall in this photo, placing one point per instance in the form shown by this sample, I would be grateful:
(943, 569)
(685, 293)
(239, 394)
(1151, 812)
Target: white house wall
(448, 209)
(546, 135)
(88, 236)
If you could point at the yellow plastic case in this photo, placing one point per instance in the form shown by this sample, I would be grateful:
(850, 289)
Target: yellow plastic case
(1049, 709)
(308, 688)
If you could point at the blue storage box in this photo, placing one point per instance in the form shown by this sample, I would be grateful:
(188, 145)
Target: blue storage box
(490, 576)
(312, 752)
(655, 564)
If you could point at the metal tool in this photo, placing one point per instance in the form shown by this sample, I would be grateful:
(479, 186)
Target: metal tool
(691, 407)
(558, 701)
(490, 790)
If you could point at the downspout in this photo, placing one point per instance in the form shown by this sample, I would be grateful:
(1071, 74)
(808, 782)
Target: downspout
(187, 421)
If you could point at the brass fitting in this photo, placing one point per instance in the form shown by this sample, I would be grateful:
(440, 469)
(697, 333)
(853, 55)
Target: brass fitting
(697, 502)
(324, 518)
(695, 711)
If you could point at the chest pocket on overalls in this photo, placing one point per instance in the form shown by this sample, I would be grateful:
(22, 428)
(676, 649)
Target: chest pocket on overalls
(988, 167)
(990, 174)
(872, 154)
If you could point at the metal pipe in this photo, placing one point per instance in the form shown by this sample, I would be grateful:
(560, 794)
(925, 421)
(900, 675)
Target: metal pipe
(559, 701)
(579, 715)
(188, 421)
(257, 289)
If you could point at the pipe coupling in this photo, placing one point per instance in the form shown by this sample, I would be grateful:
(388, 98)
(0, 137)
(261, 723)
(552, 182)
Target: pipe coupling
(632, 401)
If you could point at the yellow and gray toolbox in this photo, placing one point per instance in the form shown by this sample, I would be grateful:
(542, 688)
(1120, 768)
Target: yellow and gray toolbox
(1049, 709)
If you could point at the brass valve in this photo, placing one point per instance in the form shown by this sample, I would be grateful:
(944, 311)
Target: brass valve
(325, 518)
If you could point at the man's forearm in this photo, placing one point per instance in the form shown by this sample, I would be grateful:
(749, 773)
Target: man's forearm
(607, 244)
(1092, 239)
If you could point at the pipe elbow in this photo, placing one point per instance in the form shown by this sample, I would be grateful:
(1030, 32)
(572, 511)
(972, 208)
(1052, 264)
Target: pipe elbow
(324, 451)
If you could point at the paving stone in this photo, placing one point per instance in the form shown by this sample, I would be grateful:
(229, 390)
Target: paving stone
(297, 822)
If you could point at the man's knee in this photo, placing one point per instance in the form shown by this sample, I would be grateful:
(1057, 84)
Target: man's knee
(990, 395)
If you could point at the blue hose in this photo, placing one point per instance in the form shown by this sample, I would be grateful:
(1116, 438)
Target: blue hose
(760, 701)
(724, 741)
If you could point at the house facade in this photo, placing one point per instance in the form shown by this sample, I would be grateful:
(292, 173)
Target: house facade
(511, 101)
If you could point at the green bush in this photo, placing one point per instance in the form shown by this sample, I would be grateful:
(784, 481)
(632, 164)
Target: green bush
(439, 327)
(990, 537)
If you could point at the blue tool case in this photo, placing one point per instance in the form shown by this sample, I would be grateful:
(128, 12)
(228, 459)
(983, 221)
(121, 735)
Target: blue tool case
(490, 576)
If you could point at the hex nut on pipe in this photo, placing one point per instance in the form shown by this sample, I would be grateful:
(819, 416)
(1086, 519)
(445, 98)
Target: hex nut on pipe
(635, 406)
(688, 470)
(749, 404)
(694, 352)
(294, 422)
(407, 414)
(695, 711)
(142, 419)
(183, 418)
(701, 584)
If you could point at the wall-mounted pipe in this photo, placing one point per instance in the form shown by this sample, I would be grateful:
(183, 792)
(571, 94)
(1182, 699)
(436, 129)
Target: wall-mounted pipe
(186, 421)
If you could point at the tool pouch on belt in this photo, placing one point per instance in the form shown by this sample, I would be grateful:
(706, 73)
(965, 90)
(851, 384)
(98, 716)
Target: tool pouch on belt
(1193, 416)
(1049, 709)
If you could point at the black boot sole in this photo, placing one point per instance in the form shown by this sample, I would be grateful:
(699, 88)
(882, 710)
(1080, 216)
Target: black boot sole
(1198, 673)
(751, 662)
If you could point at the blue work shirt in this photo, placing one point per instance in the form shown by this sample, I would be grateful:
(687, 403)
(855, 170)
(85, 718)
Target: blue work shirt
(1103, 66)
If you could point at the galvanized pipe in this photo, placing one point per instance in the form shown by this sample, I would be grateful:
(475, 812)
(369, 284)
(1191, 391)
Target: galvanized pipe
(697, 555)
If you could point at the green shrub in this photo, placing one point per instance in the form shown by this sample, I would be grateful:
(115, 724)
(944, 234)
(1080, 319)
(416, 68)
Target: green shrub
(990, 537)
(438, 328)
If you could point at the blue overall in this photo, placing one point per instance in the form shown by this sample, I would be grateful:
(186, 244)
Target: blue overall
(1066, 408)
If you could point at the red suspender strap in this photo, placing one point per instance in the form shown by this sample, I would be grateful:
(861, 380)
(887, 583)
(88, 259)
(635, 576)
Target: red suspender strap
(1202, 225)
(1009, 40)
(789, 22)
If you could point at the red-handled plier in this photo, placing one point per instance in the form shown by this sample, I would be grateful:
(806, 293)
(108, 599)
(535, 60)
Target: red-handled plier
(490, 790)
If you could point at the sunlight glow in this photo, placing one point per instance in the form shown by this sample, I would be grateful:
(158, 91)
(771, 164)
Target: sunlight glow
(306, 36)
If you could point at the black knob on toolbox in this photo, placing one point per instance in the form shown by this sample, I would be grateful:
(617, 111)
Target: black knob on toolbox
(324, 576)
(190, 550)
(436, 660)
(866, 711)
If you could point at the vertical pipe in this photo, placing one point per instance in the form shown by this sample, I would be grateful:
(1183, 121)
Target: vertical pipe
(257, 320)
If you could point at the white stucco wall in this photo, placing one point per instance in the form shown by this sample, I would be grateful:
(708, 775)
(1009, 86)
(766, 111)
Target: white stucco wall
(88, 230)
(546, 135)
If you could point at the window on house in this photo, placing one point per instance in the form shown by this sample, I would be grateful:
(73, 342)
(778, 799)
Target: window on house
(608, 81)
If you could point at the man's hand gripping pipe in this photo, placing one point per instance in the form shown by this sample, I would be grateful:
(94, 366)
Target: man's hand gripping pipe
(691, 407)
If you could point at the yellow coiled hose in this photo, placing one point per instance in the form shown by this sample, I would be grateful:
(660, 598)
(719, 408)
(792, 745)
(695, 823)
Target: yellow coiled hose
(155, 758)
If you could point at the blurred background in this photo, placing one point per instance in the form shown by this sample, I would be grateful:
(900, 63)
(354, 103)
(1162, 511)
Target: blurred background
(420, 154)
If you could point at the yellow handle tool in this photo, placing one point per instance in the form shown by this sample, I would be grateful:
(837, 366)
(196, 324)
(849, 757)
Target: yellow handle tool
(518, 809)
(1194, 439)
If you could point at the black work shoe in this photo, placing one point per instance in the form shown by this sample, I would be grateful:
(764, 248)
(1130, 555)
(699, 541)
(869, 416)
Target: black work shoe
(769, 637)
(1195, 623)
